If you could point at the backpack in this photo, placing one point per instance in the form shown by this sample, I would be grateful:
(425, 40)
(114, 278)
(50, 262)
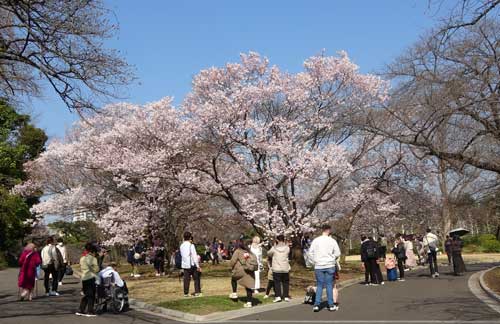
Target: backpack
(178, 260)
(371, 250)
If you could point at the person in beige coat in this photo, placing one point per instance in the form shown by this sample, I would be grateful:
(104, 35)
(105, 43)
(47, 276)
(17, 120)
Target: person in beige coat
(240, 275)
(281, 269)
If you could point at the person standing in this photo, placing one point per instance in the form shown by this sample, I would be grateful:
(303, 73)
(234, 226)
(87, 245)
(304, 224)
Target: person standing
(382, 242)
(190, 265)
(456, 251)
(256, 249)
(214, 251)
(447, 248)
(400, 254)
(89, 269)
(28, 262)
(369, 256)
(240, 263)
(281, 269)
(431, 247)
(270, 279)
(324, 252)
(411, 260)
(51, 263)
(65, 258)
(159, 258)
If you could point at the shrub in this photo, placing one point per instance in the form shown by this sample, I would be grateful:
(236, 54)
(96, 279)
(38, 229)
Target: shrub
(491, 246)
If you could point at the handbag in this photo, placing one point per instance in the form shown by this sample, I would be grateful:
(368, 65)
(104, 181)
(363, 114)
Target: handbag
(68, 271)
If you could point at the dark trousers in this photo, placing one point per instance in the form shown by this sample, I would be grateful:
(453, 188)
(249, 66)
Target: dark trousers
(432, 259)
(372, 272)
(281, 284)
(215, 258)
(270, 285)
(88, 299)
(234, 287)
(159, 265)
(367, 271)
(401, 268)
(448, 254)
(62, 271)
(188, 273)
(50, 270)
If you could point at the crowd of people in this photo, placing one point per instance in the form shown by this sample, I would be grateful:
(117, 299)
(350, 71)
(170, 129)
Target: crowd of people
(246, 260)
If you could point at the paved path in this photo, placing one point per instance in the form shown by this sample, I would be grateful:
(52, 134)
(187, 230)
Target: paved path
(50, 310)
(420, 298)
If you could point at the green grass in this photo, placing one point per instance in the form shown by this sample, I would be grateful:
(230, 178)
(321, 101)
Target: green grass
(210, 304)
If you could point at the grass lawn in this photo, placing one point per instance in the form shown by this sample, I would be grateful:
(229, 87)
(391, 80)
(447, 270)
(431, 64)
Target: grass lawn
(210, 304)
(492, 279)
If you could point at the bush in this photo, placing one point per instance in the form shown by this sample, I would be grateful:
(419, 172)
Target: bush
(3, 263)
(481, 243)
(491, 246)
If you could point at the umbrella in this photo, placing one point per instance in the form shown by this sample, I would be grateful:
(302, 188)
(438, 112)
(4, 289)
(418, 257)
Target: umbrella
(459, 231)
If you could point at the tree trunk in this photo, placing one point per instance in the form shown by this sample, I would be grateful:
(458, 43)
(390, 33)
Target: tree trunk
(297, 254)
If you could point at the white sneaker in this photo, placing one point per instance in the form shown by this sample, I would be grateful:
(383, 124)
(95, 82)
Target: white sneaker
(157, 274)
(53, 293)
(382, 283)
(89, 315)
(437, 274)
(277, 300)
(248, 305)
(60, 283)
(316, 309)
(333, 308)
(266, 296)
(131, 274)
(137, 275)
(233, 296)
(79, 314)
(287, 299)
(401, 279)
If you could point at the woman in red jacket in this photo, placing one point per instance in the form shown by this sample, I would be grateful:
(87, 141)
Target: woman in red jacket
(28, 261)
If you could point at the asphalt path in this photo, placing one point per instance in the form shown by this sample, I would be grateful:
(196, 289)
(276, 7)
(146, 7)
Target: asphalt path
(420, 299)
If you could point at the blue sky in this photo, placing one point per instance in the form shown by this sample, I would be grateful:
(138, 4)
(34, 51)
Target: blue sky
(168, 42)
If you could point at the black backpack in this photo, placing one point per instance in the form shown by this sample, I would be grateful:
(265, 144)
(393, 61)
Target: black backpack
(178, 260)
(371, 250)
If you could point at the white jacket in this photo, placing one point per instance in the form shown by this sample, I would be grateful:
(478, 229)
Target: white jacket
(324, 252)
(189, 255)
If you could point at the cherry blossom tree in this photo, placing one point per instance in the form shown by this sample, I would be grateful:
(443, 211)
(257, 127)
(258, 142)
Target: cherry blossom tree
(121, 165)
(278, 146)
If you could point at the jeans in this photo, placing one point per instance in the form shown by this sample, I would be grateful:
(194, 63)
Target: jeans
(50, 270)
(432, 259)
(87, 301)
(188, 273)
(324, 279)
(281, 284)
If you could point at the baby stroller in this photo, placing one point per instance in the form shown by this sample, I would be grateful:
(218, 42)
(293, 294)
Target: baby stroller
(111, 297)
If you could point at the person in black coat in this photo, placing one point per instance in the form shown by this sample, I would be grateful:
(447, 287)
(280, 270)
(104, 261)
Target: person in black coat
(456, 255)
(369, 257)
(400, 254)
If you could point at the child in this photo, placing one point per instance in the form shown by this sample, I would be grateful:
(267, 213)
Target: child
(390, 266)
(270, 280)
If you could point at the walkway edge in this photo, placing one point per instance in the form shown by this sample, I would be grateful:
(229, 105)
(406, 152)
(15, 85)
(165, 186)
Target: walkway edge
(485, 287)
(475, 287)
(222, 316)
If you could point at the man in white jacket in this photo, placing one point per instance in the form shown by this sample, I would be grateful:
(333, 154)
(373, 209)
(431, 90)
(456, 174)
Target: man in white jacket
(324, 252)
